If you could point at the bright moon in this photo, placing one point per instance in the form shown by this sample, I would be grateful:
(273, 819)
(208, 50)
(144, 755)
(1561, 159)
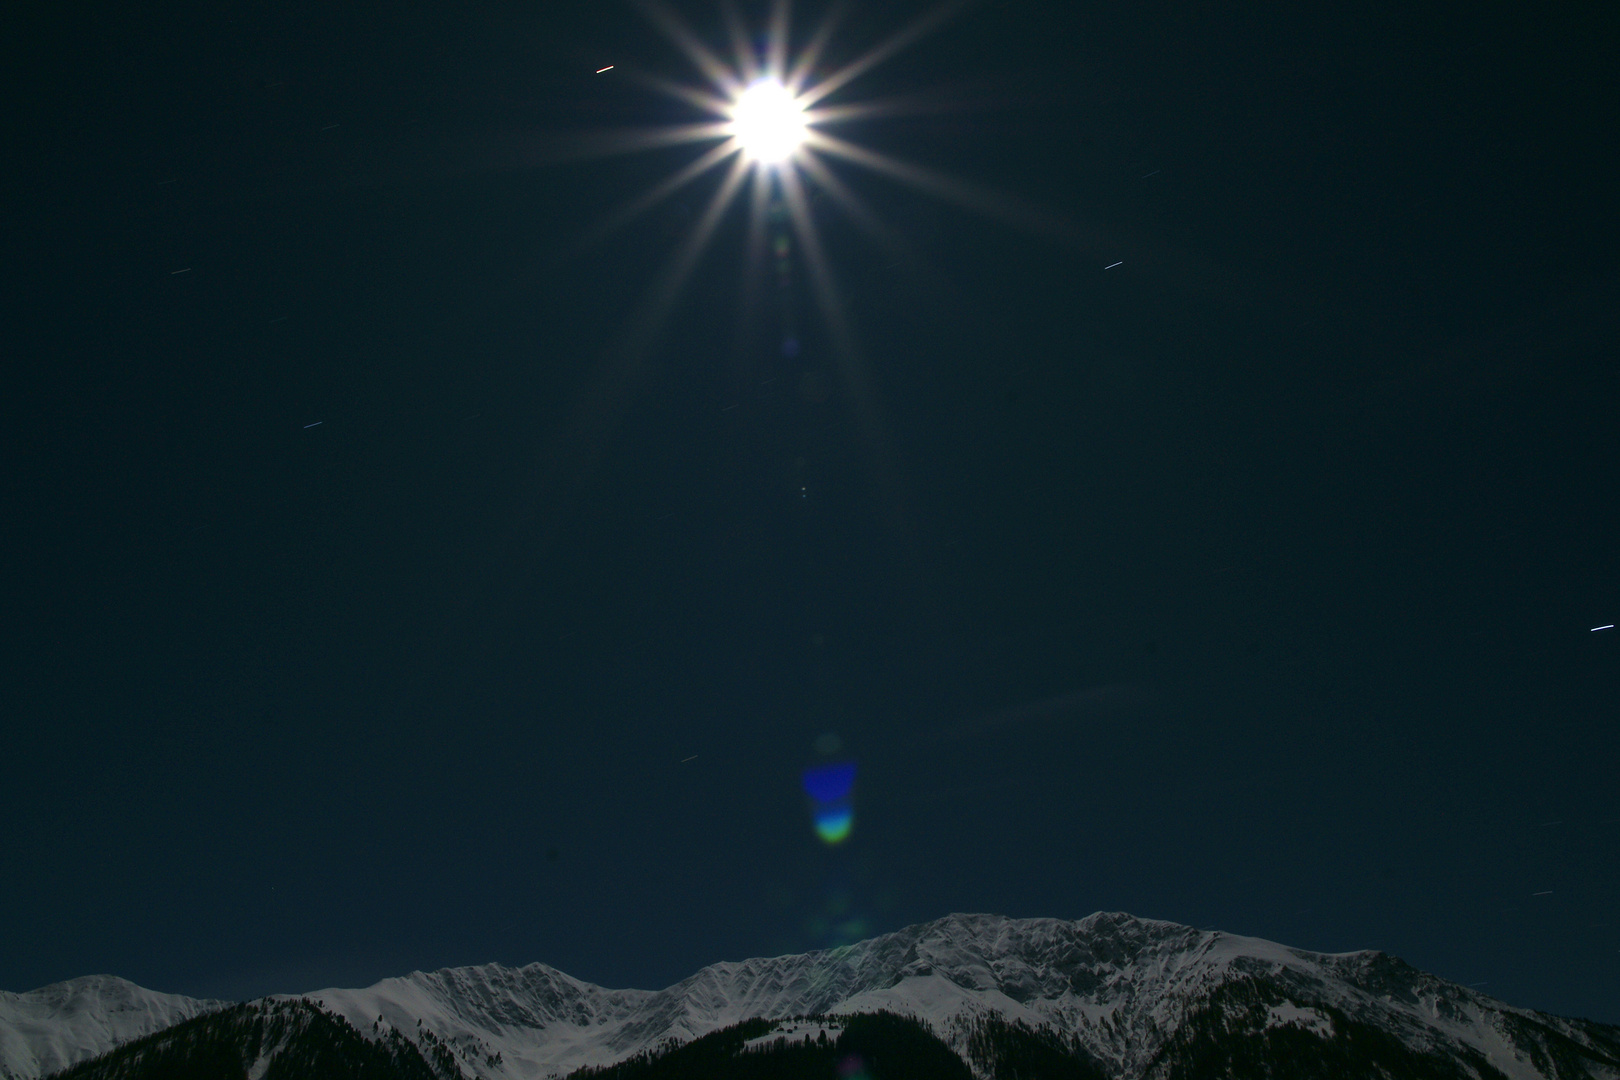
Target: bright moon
(768, 123)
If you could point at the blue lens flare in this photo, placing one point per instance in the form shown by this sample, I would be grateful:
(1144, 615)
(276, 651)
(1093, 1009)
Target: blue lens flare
(831, 809)
(829, 783)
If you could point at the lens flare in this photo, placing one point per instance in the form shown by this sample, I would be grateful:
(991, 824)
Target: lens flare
(829, 783)
(833, 825)
(768, 122)
(853, 1067)
(831, 809)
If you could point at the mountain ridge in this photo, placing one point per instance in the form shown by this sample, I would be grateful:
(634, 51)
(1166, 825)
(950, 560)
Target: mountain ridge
(1122, 984)
(1138, 995)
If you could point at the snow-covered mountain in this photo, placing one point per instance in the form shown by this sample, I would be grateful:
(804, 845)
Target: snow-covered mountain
(1139, 999)
(52, 1027)
(1124, 986)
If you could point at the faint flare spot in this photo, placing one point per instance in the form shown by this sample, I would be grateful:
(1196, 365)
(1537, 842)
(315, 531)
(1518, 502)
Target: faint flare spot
(814, 387)
(833, 825)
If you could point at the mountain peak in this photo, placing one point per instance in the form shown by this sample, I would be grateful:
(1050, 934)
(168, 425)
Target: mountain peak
(56, 1025)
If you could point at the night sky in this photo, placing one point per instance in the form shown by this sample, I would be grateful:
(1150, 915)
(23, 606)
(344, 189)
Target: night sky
(379, 596)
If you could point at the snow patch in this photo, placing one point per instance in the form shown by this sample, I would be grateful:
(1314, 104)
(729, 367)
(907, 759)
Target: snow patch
(796, 1032)
(1309, 1019)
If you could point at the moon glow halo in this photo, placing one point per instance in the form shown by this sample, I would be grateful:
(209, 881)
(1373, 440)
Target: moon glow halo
(764, 113)
(766, 116)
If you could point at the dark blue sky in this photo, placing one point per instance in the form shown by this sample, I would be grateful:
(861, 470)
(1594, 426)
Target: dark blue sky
(1247, 584)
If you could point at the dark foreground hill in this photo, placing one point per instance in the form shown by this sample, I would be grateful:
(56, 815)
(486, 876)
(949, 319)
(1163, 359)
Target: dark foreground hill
(267, 1040)
(1235, 1037)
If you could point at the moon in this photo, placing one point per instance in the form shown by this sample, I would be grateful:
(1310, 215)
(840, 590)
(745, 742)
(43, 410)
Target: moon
(768, 122)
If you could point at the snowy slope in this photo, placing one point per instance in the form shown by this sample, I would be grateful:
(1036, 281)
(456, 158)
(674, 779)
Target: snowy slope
(53, 1027)
(1123, 985)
